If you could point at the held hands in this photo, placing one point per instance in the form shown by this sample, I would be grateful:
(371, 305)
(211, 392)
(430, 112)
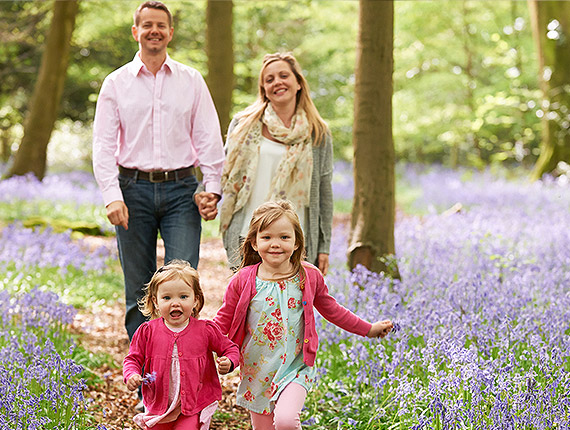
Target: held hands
(380, 328)
(118, 213)
(224, 365)
(207, 204)
(134, 382)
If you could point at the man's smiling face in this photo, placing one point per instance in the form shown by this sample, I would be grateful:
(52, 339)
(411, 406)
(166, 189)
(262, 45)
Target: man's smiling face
(153, 32)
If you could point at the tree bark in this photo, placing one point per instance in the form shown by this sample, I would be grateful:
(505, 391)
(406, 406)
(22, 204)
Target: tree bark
(44, 104)
(219, 48)
(5, 150)
(373, 211)
(551, 31)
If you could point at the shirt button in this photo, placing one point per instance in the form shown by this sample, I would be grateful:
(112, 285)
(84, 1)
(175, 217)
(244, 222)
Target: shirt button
(306, 340)
(304, 303)
(180, 354)
(182, 373)
(183, 392)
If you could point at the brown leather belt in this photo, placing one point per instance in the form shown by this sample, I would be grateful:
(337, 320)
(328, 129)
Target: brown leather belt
(164, 176)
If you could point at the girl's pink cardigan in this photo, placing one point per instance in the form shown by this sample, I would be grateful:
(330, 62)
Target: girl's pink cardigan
(231, 317)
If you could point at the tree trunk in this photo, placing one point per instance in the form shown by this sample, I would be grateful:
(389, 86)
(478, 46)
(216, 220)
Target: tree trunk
(373, 211)
(5, 148)
(551, 31)
(219, 48)
(44, 104)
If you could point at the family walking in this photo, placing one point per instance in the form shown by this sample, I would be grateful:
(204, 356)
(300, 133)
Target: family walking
(155, 123)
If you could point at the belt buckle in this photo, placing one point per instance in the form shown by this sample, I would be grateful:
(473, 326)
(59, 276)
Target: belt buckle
(162, 179)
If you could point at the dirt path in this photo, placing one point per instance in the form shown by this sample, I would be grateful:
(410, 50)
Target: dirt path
(101, 330)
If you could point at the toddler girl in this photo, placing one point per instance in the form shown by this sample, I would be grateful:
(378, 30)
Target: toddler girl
(176, 349)
(268, 311)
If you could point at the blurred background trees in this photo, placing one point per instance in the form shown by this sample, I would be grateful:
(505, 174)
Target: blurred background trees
(551, 28)
(220, 52)
(471, 83)
(44, 102)
(466, 87)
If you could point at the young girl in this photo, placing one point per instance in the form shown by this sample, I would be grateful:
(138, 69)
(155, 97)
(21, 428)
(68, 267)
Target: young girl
(175, 348)
(268, 311)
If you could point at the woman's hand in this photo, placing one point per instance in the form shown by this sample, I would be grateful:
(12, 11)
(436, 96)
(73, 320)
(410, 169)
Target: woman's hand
(380, 328)
(323, 263)
(134, 382)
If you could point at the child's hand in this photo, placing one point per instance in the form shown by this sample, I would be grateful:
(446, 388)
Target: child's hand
(134, 382)
(380, 328)
(224, 365)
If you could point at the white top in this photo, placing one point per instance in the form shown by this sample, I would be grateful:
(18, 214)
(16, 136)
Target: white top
(270, 154)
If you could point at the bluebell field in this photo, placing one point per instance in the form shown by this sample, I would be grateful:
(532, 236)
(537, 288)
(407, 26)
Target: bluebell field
(40, 386)
(482, 311)
(73, 197)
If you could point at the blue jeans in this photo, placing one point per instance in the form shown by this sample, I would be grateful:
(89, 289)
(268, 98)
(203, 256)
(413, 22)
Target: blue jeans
(168, 208)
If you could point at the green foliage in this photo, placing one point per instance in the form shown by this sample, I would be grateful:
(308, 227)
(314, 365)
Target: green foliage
(465, 83)
(90, 362)
(85, 218)
(23, 26)
(465, 79)
(74, 286)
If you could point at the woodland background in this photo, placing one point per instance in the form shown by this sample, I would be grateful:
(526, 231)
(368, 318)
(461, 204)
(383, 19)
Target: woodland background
(466, 73)
(441, 112)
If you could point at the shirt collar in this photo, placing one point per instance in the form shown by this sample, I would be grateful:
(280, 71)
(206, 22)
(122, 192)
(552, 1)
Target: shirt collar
(136, 65)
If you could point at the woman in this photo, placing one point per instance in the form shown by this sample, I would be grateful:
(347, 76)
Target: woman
(279, 148)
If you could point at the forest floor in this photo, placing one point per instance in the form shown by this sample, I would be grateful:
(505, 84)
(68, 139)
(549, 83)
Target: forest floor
(101, 331)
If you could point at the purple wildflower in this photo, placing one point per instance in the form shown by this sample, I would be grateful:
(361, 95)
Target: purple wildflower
(149, 378)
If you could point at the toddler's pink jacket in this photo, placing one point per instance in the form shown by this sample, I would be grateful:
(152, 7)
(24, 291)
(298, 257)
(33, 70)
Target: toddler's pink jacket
(231, 318)
(152, 346)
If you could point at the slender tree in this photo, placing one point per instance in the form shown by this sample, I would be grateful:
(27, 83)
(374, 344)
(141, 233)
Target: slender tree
(551, 31)
(220, 51)
(21, 24)
(44, 104)
(373, 211)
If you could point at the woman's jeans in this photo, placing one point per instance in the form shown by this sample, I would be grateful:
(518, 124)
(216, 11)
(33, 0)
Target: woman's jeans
(165, 207)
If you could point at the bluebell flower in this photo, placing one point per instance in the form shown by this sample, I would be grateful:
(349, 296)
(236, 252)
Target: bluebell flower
(483, 302)
(149, 378)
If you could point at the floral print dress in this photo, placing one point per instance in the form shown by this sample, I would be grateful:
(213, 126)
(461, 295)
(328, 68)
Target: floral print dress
(272, 351)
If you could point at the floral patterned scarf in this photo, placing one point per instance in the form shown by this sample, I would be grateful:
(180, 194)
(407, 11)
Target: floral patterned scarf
(291, 181)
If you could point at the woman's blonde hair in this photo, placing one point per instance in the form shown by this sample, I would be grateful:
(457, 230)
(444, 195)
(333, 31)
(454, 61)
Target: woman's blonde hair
(265, 215)
(253, 113)
(175, 269)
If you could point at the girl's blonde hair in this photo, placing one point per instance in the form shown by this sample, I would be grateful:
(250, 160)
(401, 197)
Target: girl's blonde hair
(265, 215)
(175, 269)
(252, 113)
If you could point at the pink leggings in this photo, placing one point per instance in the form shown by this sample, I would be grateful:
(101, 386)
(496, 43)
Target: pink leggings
(286, 415)
(183, 422)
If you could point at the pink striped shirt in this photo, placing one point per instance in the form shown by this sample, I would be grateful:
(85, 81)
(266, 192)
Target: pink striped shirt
(162, 122)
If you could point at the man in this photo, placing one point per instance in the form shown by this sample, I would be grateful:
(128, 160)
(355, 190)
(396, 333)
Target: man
(155, 121)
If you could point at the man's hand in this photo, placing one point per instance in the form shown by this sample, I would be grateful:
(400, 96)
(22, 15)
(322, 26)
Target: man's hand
(224, 365)
(323, 262)
(134, 382)
(207, 204)
(118, 213)
(380, 328)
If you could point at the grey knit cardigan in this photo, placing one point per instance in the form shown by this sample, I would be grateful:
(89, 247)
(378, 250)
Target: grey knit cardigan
(319, 213)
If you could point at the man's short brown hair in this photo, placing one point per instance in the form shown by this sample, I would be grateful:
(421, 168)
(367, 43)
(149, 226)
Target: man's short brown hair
(151, 5)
